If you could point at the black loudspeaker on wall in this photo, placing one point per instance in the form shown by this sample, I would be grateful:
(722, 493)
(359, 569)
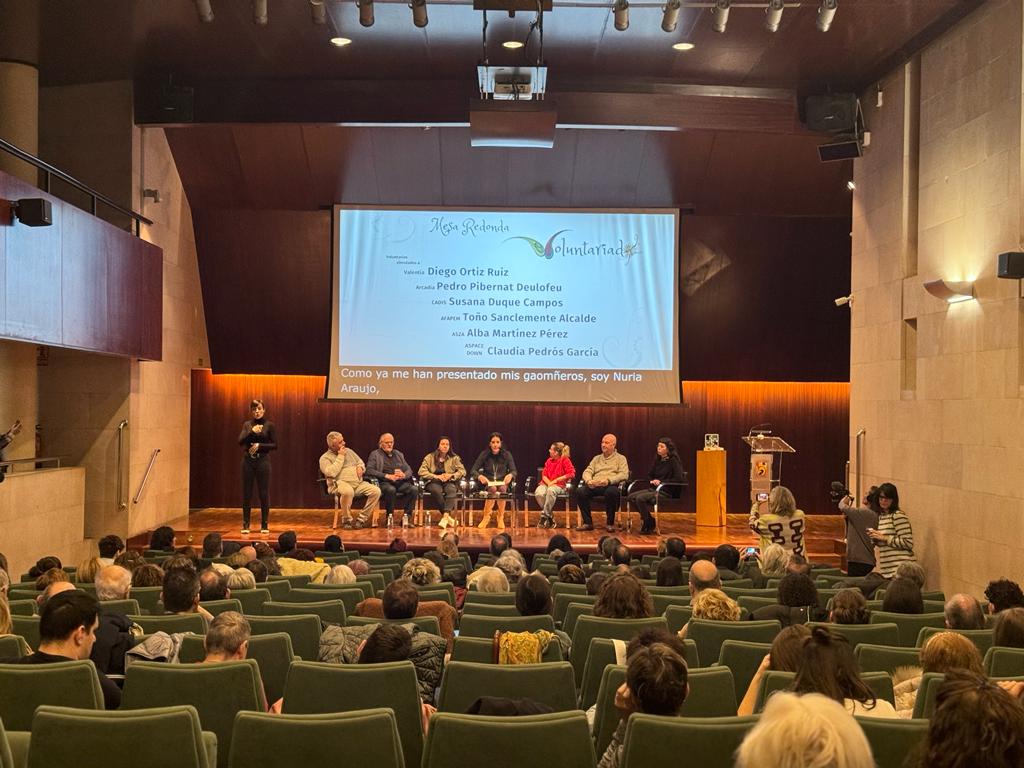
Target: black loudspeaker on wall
(1011, 264)
(832, 112)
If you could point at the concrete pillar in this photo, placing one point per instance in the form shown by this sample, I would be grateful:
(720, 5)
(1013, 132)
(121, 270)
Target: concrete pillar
(19, 84)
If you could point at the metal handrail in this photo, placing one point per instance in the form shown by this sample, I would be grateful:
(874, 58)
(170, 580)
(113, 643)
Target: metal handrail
(121, 506)
(94, 196)
(12, 462)
(145, 477)
(860, 452)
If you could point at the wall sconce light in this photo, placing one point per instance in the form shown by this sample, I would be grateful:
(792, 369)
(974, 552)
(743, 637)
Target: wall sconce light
(950, 291)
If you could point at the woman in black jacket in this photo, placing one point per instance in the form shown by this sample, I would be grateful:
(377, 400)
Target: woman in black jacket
(667, 468)
(494, 469)
(257, 439)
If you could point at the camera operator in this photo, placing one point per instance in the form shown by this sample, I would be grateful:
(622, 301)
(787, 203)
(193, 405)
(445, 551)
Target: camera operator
(860, 549)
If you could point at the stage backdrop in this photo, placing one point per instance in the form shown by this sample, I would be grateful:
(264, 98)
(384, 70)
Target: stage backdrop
(811, 416)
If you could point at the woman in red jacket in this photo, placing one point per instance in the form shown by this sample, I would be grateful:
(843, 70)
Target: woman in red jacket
(558, 470)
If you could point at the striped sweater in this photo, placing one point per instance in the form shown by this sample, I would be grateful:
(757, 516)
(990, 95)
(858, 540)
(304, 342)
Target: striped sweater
(899, 542)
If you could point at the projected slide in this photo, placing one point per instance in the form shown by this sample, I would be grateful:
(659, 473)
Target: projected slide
(505, 305)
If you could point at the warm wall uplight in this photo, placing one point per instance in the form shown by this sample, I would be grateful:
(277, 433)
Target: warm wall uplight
(512, 45)
(683, 46)
(340, 42)
(950, 291)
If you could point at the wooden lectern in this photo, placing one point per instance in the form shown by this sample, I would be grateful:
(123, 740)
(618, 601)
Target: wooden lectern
(711, 488)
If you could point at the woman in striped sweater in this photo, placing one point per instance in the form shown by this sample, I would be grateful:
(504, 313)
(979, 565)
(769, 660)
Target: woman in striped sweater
(894, 536)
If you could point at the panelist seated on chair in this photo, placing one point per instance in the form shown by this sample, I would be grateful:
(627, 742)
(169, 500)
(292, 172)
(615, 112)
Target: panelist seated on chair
(388, 467)
(558, 470)
(602, 477)
(442, 470)
(495, 470)
(667, 470)
(343, 470)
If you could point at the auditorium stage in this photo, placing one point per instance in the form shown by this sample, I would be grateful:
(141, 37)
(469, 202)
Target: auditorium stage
(824, 536)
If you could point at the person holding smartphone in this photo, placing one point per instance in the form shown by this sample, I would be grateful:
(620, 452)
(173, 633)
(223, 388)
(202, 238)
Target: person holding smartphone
(781, 522)
(860, 548)
(894, 537)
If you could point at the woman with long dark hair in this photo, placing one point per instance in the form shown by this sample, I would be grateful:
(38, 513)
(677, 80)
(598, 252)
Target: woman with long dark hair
(494, 469)
(257, 440)
(667, 468)
(894, 537)
(443, 469)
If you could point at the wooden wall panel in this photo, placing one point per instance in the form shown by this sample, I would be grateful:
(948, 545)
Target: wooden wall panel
(812, 416)
(84, 284)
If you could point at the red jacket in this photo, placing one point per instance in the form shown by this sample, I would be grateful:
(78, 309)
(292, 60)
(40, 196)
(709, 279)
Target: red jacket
(557, 467)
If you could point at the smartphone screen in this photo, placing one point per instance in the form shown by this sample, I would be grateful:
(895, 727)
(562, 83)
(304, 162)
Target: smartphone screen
(762, 497)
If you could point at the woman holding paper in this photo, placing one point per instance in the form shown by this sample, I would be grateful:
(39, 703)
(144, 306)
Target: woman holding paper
(494, 469)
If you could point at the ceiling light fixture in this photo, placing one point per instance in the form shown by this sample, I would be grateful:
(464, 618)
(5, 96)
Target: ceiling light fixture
(419, 12)
(365, 12)
(318, 12)
(773, 14)
(949, 291)
(340, 42)
(205, 11)
(721, 12)
(259, 12)
(851, 185)
(683, 46)
(826, 13)
(621, 12)
(670, 15)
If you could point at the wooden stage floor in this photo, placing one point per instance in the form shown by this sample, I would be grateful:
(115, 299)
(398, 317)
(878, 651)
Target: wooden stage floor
(824, 532)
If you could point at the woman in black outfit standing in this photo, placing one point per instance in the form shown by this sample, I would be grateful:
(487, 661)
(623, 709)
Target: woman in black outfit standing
(257, 440)
(667, 468)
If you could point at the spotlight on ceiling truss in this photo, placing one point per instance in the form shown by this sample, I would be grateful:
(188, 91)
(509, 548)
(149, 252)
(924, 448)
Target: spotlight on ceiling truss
(621, 12)
(259, 12)
(365, 12)
(773, 14)
(670, 15)
(205, 11)
(721, 14)
(826, 13)
(419, 12)
(318, 12)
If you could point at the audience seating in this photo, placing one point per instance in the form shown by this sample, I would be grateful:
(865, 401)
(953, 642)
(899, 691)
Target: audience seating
(283, 741)
(396, 558)
(28, 628)
(709, 635)
(486, 626)
(589, 627)
(682, 590)
(924, 705)
(217, 607)
(252, 600)
(562, 602)
(606, 716)
(445, 586)
(171, 622)
(892, 740)
(735, 592)
(294, 582)
(880, 684)
(751, 604)
(652, 740)
(489, 609)
(982, 638)
(428, 624)
(316, 688)
(886, 658)
(129, 607)
(13, 748)
(303, 630)
(148, 598)
(678, 616)
(366, 587)
(375, 580)
(23, 687)
(330, 611)
(712, 693)
(573, 611)
(456, 741)
(743, 659)
(22, 607)
(277, 588)
(441, 595)
(22, 594)
(349, 596)
(662, 602)
(474, 598)
(1001, 661)
(272, 653)
(12, 646)
(909, 624)
(218, 691)
(558, 588)
(481, 650)
(62, 736)
(464, 682)
(875, 634)
(602, 653)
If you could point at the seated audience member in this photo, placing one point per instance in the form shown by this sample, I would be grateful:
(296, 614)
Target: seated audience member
(487, 579)
(572, 574)
(5, 583)
(771, 564)
(941, 653)
(286, 543)
(49, 579)
(798, 564)
(449, 546)
(785, 655)
(976, 724)
(435, 557)
(213, 546)
(6, 626)
(1002, 594)
(656, 684)
(558, 543)
(67, 630)
(162, 539)
(595, 581)
(810, 731)
(180, 562)
(903, 596)
(511, 564)
(43, 565)
(621, 556)
(235, 560)
(401, 600)
(499, 543)
(421, 572)
(263, 550)
(213, 585)
(113, 583)
(397, 545)
(642, 572)
(345, 645)
(302, 554)
(569, 558)
(114, 635)
(964, 612)
(798, 602)
(189, 553)
(148, 575)
(457, 577)
(533, 598)
(340, 574)
(622, 596)
(670, 573)
(727, 559)
(849, 607)
(241, 578)
(3, 564)
(53, 589)
(333, 543)
(392, 642)
(714, 605)
(258, 570)
(703, 575)
(227, 639)
(130, 559)
(675, 547)
(1009, 629)
(110, 546)
(180, 593)
(359, 567)
(913, 571)
(87, 570)
(830, 668)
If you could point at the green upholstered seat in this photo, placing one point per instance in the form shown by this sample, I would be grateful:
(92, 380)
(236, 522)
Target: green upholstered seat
(295, 581)
(277, 588)
(129, 607)
(329, 611)
(886, 658)
(217, 607)
(486, 626)
(425, 623)
(474, 598)
(23, 607)
(272, 653)
(561, 603)
(28, 628)
(875, 634)
(304, 631)
(481, 650)
(892, 740)
(23, 687)
(602, 653)
(252, 600)
(743, 658)
(982, 638)
(12, 646)
(464, 682)
(589, 627)
(709, 635)
(148, 598)
(489, 609)
(350, 596)
(171, 622)
(653, 740)
(909, 624)
(1004, 662)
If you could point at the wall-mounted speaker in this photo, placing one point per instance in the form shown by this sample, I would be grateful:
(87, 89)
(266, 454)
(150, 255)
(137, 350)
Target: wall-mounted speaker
(34, 211)
(1011, 265)
(832, 112)
(847, 149)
